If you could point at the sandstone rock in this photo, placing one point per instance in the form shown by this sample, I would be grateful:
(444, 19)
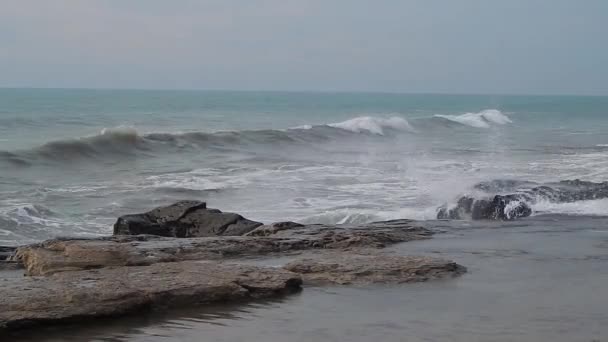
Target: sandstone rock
(116, 291)
(184, 219)
(76, 254)
(367, 269)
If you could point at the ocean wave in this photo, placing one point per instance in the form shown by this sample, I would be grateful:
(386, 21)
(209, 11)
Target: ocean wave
(597, 207)
(483, 119)
(27, 214)
(126, 141)
(374, 125)
(123, 141)
(28, 222)
(110, 141)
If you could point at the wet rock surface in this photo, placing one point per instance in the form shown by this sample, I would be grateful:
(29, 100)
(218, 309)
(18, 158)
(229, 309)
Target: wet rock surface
(116, 291)
(76, 254)
(373, 269)
(513, 199)
(75, 278)
(184, 219)
(508, 207)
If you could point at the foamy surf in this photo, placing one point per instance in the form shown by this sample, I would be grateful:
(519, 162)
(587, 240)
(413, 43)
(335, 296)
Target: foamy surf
(597, 207)
(483, 119)
(374, 125)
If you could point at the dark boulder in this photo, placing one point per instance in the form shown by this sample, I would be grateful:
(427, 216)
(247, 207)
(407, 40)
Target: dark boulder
(184, 219)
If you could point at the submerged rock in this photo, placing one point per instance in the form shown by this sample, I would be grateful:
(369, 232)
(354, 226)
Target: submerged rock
(76, 254)
(184, 219)
(274, 228)
(116, 291)
(515, 198)
(508, 207)
(368, 269)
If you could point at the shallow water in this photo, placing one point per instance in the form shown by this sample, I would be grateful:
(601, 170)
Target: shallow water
(539, 279)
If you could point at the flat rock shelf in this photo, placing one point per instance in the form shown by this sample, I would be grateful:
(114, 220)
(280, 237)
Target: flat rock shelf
(186, 254)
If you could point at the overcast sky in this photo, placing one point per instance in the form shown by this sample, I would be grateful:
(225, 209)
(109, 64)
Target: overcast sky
(446, 46)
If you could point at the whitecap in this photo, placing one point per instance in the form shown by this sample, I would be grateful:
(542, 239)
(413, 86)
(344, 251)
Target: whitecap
(483, 119)
(374, 125)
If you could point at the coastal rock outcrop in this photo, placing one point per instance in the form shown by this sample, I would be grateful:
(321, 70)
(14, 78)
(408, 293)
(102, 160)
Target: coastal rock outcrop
(115, 291)
(81, 278)
(76, 254)
(369, 269)
(184, 219)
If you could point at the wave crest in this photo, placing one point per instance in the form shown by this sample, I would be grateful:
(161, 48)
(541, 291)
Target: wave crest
(123, 141)
(483, 119)
(373, 125)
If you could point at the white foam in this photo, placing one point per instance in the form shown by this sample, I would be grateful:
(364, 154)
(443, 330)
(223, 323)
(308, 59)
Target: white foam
(373, 125)
(495, 116)
(482, 119)
(120, 132)
(305, 127)
(342, 216)
(26, 213)
(510, 208)
(200, 179)
(591, 207)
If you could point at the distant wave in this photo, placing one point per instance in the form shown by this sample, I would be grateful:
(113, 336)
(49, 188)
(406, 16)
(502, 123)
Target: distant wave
(374, 125)
(483, 119)
(117, 142)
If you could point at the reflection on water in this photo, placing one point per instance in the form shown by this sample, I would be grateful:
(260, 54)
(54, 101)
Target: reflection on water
(543, 279)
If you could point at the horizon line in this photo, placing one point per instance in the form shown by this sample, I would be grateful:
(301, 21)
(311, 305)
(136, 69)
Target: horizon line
(305, 91)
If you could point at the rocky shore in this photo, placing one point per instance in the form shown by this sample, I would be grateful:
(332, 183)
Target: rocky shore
(186, 254)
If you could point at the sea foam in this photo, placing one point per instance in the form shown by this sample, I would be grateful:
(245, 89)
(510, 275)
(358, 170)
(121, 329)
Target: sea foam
(483, 119)
(373, 125)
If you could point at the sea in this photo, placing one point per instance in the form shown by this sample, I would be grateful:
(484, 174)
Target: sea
(72, 161)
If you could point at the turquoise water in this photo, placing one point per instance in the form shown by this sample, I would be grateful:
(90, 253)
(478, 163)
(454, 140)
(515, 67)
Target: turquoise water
(71, 161)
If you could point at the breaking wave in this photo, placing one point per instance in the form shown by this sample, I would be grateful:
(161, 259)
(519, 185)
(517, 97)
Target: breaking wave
(510, 199)
(113, 143)
(483, 119)
(374, 125)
